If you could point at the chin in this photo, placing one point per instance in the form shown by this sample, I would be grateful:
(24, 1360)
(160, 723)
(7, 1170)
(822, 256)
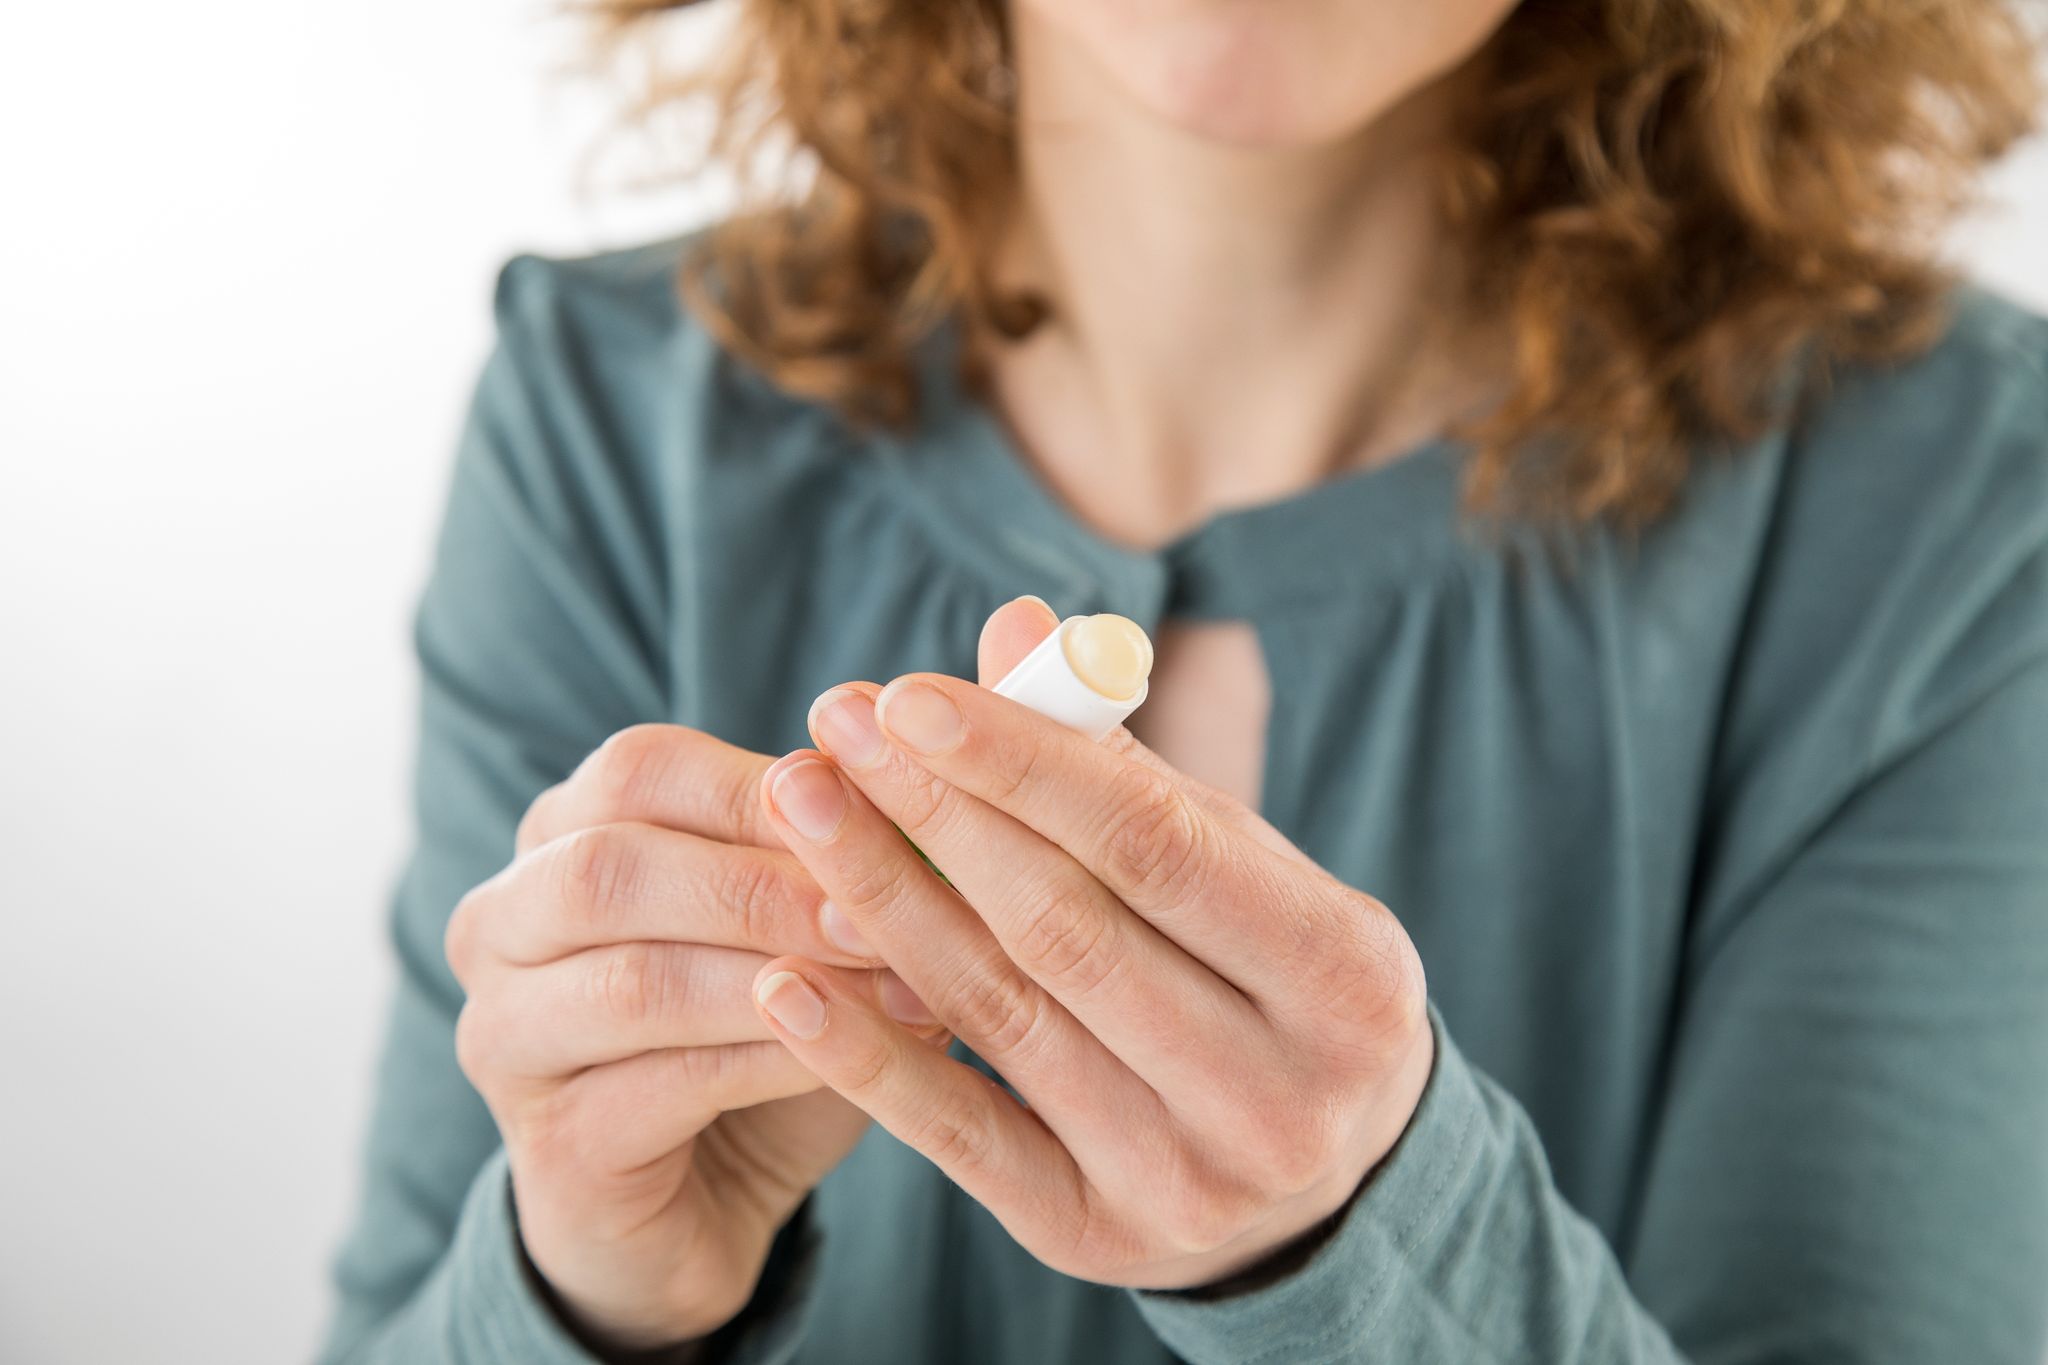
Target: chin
(1271, 73)
(1239, 84)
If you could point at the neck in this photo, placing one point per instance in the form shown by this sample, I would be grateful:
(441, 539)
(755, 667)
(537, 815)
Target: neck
(1229, 324)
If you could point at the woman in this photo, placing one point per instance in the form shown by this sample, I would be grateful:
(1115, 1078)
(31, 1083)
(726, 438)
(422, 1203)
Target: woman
(1594, 556)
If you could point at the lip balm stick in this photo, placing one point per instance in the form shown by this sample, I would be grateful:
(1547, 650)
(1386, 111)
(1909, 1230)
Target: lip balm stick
(1088, 675)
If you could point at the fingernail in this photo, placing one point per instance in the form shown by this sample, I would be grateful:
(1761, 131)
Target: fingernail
(811, 797)
(842, 932)
(843, 723)
(920, 716)
(1034, 597)
(793, 1004)
(901, 1003)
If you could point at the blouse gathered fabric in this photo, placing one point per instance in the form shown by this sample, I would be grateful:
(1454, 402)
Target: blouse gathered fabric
(1724, 845)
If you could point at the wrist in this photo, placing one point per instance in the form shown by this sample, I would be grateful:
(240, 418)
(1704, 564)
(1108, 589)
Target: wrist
(706, 1334)
(1275, 1264)
(623, 1311)
(633, 1339)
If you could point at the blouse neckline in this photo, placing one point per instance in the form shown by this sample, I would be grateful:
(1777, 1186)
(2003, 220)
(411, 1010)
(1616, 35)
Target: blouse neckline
(964, 474)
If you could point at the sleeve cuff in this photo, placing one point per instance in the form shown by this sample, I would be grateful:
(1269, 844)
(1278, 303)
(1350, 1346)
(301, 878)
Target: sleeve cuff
(1332, 1300)
(507, 1315)
(503, 1312)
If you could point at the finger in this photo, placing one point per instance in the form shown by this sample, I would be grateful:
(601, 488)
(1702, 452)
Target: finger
(616, 1118)
(1000, 1153)
(1019, 624)
(1136, 990)
(1137, 830)
(610, 1003)
(929, 936)
(606, 1004)
(667, 775)
(625, 883)
(1220, 804)
(1012, 631)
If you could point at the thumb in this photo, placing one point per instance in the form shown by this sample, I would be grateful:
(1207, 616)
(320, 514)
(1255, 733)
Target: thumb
(1011, 632)
(1014, 628)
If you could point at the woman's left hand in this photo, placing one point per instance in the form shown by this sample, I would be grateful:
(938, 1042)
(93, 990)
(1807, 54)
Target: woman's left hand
(1216, 1039)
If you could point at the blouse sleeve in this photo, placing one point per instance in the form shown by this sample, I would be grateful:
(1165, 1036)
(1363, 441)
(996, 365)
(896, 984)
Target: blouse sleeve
(1851, 1162)
(538, 634)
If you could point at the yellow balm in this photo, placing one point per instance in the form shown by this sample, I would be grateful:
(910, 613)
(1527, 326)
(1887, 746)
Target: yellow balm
(1110, 653)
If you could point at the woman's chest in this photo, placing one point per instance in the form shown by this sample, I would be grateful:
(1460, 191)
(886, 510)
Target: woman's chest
(1208, 704)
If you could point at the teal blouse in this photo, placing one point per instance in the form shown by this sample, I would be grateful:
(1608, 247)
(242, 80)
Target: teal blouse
(1725, 847)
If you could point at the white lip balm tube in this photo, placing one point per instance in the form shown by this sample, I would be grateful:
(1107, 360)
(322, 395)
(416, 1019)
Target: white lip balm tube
(1088, 675)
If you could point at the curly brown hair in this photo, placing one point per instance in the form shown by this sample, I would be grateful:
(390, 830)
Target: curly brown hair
(1672, 206)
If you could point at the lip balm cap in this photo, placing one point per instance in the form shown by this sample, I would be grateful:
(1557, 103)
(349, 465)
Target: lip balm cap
(1046, 680)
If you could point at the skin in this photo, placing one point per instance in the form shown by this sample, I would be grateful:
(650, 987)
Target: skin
(1231, 205)
(657, 1133)
(1217, 1039)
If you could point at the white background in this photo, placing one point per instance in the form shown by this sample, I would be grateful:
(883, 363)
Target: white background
(246, 248)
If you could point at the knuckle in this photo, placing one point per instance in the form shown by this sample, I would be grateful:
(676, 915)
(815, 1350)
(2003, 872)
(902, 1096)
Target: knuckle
(473, 1046)
(997, 1010)
(876, 881)
(640, 771)
(1153, 836)
(1291, 1148)
(1200, 1213)
(1013, 769)
(628, 766)
(729, 793)
(459, 943)
(1060, 938)
(740, 817)
(596, 870)
(632, 984)
(755, 892)
(1090, 1242)
(1373, 987)
(1405, 1006)
(925, 801)
(706, 1069)
(865, 1071)
(533, 822)
(956, 1137)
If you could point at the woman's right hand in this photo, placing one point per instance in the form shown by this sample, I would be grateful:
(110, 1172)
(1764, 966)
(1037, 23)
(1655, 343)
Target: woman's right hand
(658, 1133)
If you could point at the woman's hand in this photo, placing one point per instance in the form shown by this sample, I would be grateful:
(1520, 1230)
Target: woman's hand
(1216, 1039)
(658, 1133)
